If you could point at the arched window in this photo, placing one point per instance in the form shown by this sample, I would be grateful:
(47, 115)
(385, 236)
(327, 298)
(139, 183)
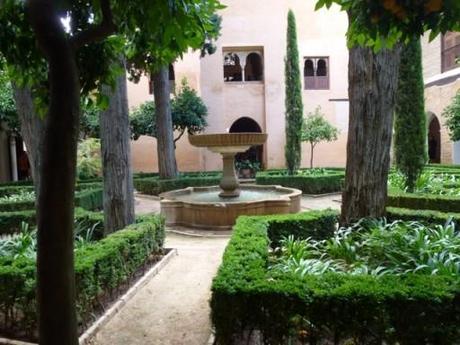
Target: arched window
(308, 70)
(248, 125)
(253, 69)
(232, 68)
(316, 73)
(434, 140)
(321, 70)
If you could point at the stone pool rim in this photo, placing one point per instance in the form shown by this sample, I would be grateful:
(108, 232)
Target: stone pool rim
(221, 215)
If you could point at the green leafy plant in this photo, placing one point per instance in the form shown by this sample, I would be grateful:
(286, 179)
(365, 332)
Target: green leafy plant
(316, 129)
(452, 115)
(187, 109)
(22, 195)
(247, 164)
(89, 159)
(375, 247)
(21, 245)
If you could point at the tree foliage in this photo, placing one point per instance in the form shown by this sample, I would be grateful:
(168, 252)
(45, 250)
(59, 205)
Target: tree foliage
(410, 120)
(452, 114)
(316, 129)
(8, 114)
(293, 101)
(383, 23)
(188, 114)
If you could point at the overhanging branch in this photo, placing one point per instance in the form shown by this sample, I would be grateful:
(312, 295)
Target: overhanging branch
(97, 32)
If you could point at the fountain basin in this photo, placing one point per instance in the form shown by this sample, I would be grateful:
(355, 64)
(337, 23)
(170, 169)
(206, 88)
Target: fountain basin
(202, 207)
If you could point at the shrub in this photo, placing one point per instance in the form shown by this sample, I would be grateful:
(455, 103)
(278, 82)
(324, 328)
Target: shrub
(424, 202)
(155, 186)
(316, 129)
(10, 222)
(89, 159)
(88, 199)
(410, 147)
(100, 267)
(422, 216)
(248, 299)
(308, 184)
(293, 99)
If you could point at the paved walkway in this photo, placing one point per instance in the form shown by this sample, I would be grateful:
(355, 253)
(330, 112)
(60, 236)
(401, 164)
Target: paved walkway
(173, 307)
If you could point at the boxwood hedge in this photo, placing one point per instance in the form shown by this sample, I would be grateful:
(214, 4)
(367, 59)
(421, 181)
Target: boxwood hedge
(89, 199)
(329, 182)
(155, 186)
(10, 222)
(442, 203)
(252, 303)
(100, 267)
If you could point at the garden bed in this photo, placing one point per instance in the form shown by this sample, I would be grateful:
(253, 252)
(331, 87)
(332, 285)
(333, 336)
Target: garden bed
(103, 269)
(254, 303)
(309, 181)
(90, 198)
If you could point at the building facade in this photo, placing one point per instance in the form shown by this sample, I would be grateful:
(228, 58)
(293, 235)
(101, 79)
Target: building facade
(442, 82)
(242, 84)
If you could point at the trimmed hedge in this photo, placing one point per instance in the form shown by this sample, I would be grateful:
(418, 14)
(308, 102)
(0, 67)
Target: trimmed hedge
(10, 222)
(422, 216)
(155, 186)
(442, 203)
(100, 267)
(91, 199)
(250, 301)
(314, 184)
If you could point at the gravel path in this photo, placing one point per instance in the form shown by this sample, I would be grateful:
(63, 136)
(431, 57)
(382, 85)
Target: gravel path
(173, 307)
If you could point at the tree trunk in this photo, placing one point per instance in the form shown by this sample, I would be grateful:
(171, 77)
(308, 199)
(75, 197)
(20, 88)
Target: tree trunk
(311, 156)
(165, 137)
(373, 80)
(55, 257)
(32, 128)
(116, 159)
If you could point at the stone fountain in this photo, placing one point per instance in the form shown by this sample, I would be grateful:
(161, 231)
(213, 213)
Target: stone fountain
(217, 207)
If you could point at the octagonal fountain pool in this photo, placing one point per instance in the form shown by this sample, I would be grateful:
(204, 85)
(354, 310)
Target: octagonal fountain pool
(217, 207)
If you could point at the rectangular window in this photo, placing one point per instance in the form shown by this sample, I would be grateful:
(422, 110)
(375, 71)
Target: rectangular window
(243, 64)
(450, 51)
(316, 73)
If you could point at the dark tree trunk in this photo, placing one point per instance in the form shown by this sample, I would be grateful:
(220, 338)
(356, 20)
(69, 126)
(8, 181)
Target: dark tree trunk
(32, 129)
(165, 137)
(373, 80)
(116, 159)
(55, 257)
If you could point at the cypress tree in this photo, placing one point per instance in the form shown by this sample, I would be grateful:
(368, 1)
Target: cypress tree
(293, 102)
(410, 121)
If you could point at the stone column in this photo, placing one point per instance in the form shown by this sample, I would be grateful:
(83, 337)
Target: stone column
(229, 183)
(14, 160)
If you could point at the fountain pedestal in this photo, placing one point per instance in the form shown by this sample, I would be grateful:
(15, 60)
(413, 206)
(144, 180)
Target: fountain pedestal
(229, 182)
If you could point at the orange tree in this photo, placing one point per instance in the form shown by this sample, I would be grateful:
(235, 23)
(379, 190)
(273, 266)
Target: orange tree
(375, 34)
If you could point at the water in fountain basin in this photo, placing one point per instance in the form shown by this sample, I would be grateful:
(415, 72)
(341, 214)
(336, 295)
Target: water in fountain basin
(213, 196)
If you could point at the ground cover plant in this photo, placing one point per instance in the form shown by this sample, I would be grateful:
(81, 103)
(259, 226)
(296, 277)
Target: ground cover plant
(377, 248)
(374, 283)
(428, 182)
